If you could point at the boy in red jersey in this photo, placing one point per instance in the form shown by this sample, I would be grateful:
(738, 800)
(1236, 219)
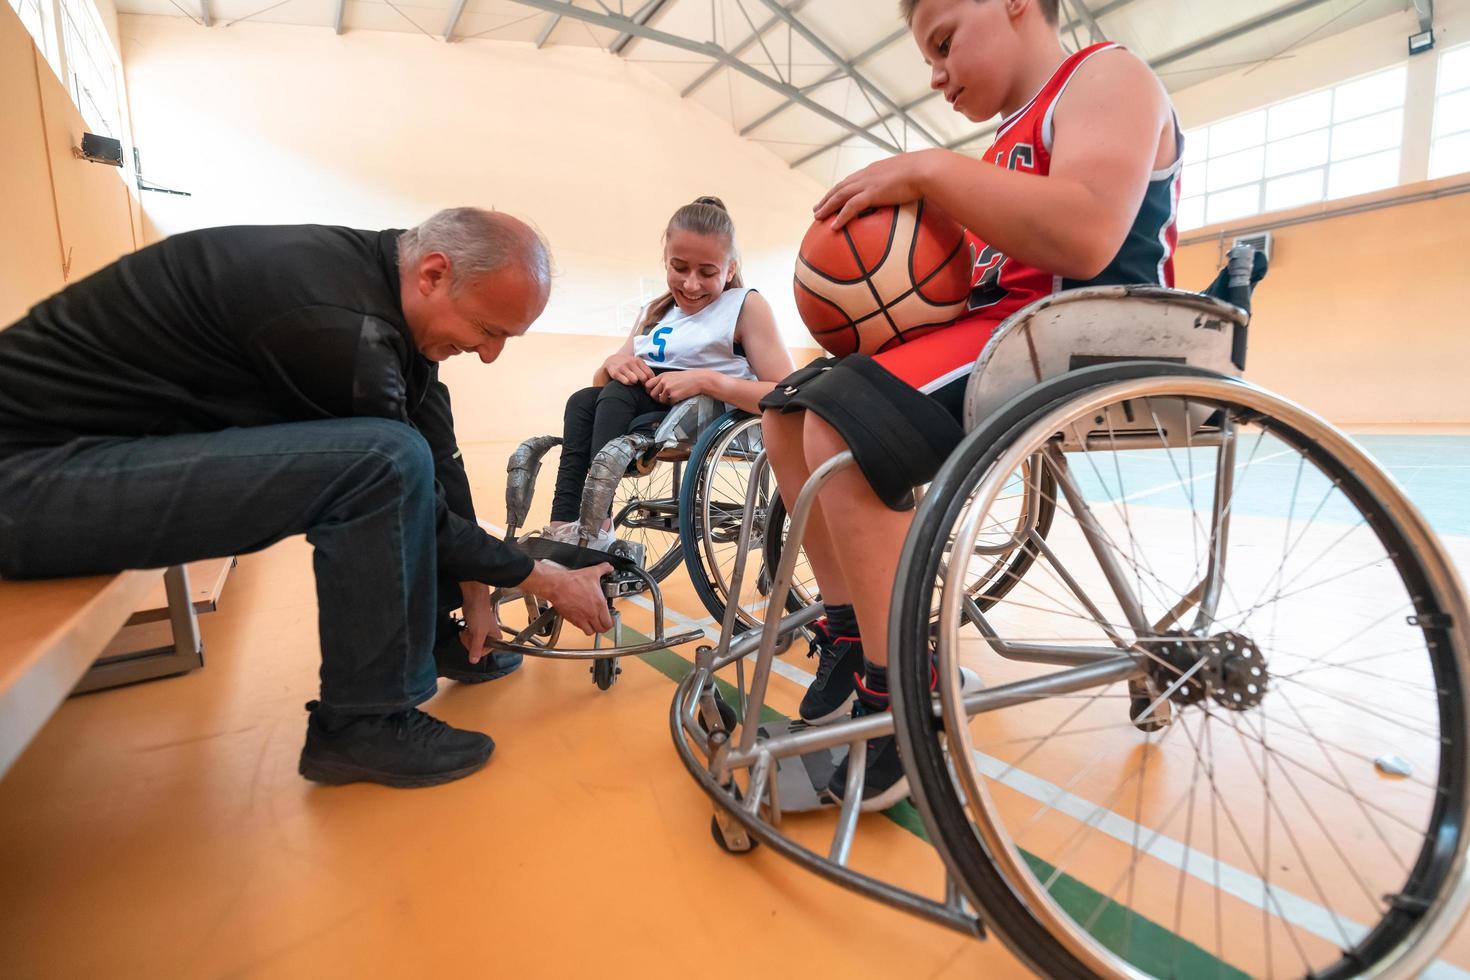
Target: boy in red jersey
(1079, 189)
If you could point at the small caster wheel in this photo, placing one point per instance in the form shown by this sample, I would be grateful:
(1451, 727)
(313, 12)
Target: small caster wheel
(605, 671)
(718, 835)
(728, 718)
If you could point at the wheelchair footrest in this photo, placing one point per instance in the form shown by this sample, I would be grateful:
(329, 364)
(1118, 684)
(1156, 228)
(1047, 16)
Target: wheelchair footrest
(801, 783)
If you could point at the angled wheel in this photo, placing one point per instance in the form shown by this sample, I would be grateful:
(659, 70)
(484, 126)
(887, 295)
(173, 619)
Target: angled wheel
(712, 513)
(645, 511)
(1295, 616)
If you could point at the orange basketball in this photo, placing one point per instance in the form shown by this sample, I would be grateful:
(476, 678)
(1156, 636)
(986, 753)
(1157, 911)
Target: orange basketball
(892, 274)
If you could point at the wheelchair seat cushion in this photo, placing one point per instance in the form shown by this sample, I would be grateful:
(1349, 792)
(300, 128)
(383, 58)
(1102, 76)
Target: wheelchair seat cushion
(898, 435)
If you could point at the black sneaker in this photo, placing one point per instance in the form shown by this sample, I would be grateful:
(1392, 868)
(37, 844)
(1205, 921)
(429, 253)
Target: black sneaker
(453, 660)
(840, 661)
(884, 783)
(405, 749)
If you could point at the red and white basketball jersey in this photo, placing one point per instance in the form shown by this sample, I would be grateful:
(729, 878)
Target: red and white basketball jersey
(1000, 285)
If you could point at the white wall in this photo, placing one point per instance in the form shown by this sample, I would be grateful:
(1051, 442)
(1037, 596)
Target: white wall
(270, 123)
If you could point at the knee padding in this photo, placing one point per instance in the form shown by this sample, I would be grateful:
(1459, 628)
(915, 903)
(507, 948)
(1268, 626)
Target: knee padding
(898, 435)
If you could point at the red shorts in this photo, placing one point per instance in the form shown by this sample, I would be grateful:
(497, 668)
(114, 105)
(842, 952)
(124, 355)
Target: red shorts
(939, 363)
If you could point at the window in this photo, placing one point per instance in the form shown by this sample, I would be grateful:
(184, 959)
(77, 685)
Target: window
(92, 67)
(1449, 152)
(1334, 143)
(30, 15)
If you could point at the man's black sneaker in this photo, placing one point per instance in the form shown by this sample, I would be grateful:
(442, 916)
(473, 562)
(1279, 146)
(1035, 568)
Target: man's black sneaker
(884, 782)
(404, 749)
(839, 661)
(453, 660)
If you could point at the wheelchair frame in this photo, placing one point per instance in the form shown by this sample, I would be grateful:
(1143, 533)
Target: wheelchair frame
(541, 636)
(1199, 355)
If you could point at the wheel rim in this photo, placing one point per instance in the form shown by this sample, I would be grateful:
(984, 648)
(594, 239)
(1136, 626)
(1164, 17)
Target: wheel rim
(1149, 835)
(720, 506)
(640, 505)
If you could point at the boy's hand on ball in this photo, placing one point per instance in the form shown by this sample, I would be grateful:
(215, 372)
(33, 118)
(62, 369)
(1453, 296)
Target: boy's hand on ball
(896, 180)
(628, 369)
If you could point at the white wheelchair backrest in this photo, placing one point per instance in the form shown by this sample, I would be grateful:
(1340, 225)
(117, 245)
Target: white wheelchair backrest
(1097, 325)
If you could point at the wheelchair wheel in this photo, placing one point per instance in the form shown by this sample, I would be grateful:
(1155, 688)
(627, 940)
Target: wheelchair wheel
(711, 512)
(1293, 620)
(645, 511)
(1002, 553)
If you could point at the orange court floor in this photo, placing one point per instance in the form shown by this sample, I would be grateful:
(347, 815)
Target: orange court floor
(162, 830)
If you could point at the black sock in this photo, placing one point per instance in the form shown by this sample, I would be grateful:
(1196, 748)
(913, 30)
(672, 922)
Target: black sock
(842, 620)
(874, 689)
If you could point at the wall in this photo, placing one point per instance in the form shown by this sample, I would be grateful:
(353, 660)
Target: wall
(1362, 317)
(274, 123)
(64, 217)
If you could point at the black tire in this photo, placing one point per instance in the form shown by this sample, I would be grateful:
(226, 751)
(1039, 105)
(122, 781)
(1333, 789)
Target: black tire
(605, 671)
(922, 742)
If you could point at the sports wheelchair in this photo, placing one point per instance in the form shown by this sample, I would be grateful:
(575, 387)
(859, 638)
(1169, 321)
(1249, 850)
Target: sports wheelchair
(1223, 727)
(650, 484)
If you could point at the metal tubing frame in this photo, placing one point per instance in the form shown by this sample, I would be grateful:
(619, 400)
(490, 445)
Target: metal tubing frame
(658, 641)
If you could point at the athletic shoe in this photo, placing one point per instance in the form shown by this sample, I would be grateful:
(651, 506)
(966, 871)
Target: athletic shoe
(884, 782)
(453, 660)
(403, 749)
(839, 662)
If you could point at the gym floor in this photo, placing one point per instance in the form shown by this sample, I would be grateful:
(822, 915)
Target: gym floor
(166, 823)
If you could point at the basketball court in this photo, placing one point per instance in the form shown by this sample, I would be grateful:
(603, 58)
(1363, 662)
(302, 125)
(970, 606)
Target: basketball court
(1262, 791)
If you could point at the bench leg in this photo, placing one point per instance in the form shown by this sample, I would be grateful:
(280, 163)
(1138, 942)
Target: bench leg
(185, 653)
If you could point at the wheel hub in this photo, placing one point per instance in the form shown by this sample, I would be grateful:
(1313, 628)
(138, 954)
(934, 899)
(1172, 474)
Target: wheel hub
(1228, 667)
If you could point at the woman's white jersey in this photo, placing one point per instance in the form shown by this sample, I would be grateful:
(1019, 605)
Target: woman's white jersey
(705, 340)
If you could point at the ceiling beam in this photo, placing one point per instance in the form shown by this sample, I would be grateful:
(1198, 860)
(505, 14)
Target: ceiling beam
(455, 13)
(1088, 20)
(1425, 10)
(204, 13)
(1168, 58)
(740, 48)
(337, 20)
(1230, 34)
(644, 14)
(831, 76)
(551, 23)
(1102, 11)
(709, 50)
(862, 82)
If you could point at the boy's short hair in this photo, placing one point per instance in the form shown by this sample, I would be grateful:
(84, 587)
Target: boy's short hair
(1049, 9)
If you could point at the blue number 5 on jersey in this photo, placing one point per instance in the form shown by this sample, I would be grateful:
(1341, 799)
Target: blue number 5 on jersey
(660, 340)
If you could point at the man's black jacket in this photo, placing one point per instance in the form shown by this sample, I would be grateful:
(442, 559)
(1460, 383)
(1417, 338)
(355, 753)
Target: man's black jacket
(241, 326)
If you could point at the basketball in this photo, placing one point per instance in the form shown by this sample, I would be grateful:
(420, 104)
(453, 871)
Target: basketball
(891, 275)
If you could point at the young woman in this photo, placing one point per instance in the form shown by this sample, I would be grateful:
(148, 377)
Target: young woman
(708, 334)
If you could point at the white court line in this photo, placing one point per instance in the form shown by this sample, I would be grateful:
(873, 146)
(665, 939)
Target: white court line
(1237, 882)
(1194, 479)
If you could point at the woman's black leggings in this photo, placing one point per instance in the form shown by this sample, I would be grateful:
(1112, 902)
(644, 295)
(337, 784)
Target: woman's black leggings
(594, 418)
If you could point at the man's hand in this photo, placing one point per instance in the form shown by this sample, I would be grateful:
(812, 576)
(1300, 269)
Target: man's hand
(675, 386)
(479, 619)
(896, 180)
(576, 594)
(628, 369)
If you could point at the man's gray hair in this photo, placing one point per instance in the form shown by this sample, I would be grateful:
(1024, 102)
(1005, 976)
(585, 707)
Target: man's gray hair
(477, 242)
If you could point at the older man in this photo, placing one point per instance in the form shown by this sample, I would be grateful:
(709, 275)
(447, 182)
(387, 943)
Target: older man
(226, 388)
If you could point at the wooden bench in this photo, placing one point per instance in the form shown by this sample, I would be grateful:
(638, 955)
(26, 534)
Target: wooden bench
(55, 631)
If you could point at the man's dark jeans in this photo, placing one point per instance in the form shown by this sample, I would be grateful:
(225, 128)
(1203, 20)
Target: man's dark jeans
(361, 490)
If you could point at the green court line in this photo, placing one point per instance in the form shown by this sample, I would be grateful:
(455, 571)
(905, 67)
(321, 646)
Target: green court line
(1141, 941)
